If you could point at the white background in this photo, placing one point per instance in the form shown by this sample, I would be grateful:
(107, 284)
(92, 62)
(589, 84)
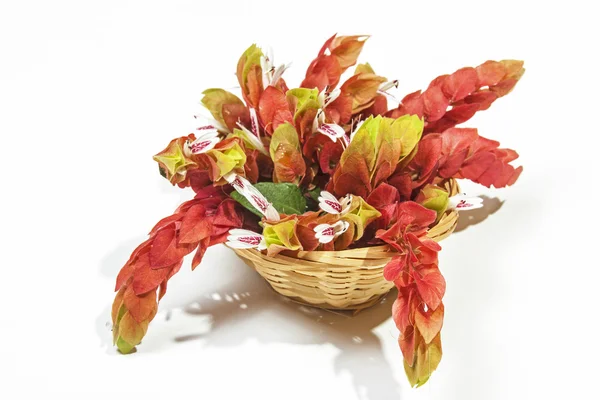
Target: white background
(90, 90)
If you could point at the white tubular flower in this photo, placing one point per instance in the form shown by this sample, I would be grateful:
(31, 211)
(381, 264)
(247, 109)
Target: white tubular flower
(326, 99)
(254, 122)
(208, 137)
(385, 86)
(253, 139)
(332, 131)
(254, 197)
(462, 202)
(331, 205)
(325, 233)
(278, 73)
(271, 74)
(211, 121)
(245, 239)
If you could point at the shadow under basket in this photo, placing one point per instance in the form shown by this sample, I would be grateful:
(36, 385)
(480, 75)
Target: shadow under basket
(338, 280)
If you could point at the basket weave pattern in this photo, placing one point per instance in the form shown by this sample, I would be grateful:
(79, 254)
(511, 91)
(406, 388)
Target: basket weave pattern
(344, 280)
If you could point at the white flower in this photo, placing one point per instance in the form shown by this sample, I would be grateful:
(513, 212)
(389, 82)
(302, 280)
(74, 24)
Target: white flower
(326, 232)
(328, 203)
(254, 122)
(253, 139)
(462, 202)
(332, 131)
(245, 239)
(271, 74)
(385, 86)
(278, 73)
(326, 99)
(211, 121)
(207, 139)
(254, 197)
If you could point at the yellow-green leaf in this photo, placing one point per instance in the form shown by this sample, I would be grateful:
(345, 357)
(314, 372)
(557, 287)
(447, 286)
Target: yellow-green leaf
(360, 214)
(303, 99)
(215, 99)
(409, 128)
(364, 68)
(428, 357)
(434, 198)
(281, 235)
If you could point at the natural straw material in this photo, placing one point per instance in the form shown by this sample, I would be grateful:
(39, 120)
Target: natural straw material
(344, 280)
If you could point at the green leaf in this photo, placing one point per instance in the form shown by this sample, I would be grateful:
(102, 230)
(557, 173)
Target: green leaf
(286, 198)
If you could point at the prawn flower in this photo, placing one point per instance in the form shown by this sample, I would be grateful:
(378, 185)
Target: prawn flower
(254, 197)
(462, 202)
(207, 139)
(325, 233)
(330, 204)
(245, 239)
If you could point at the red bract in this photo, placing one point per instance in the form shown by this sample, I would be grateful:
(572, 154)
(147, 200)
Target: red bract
(407, 235)
(424, 165)
(467, 91)
(418, 311)
(337, 54)
(195, 225)
(273, 109)
(465, 154)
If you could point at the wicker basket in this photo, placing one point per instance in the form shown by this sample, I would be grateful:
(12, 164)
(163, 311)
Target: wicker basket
(340, 280)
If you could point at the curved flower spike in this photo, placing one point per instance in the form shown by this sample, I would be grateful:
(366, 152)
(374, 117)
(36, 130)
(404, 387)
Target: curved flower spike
(254, 197)
(325, 233)
(207, 139)
(462, 202)
(331, 205)
(245, 239)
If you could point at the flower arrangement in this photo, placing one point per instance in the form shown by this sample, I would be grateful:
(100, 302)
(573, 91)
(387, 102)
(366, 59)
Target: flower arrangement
(325, 167)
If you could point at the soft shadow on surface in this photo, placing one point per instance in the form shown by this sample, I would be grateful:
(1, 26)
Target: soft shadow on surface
(241, 306)
(281, 320)
(474, 217)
